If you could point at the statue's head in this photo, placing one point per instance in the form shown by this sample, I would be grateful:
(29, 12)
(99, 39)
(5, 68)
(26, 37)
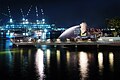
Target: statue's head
(83, 26)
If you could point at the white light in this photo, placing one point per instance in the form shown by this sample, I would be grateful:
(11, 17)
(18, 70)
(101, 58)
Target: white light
(30, 39)
(39, 40)
(43, 20)
(58, 40)
(44, 36)
(111, 60)
(21, 40)
(11, 20)
(83, 63)
(110, 39)
(23, 19)
(89, 40)
(11, 34)
(39, 62)
(100, 61)
(113, 29)
(68, 40)
(37, 21)
(26, 21)
(23, 33)
(100, 39)
(2, 29)
(8, 31)
(26, 34)
(48, 40)
(48, 57)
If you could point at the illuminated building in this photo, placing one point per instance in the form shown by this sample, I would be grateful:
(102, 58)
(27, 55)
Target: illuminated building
(26, 27)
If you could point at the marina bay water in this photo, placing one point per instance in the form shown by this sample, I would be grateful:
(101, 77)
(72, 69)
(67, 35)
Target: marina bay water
(58, 63)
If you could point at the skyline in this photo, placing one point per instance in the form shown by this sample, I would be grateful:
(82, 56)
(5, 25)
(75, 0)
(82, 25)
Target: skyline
(64, 13)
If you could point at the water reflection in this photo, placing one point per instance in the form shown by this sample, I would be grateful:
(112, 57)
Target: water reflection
(9, 61)
(111, 60)
(100, 62)
(29, 55)
(58, 57)
(47, 63)
(83, 63)
(48, 57)
(39, 61)
(68, 57)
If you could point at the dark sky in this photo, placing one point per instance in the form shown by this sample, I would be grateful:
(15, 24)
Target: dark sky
(64, 13)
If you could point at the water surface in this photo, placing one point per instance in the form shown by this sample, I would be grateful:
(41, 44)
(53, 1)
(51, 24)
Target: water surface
(58, 63)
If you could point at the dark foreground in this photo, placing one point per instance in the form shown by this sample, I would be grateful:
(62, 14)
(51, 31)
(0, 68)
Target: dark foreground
(59, 63)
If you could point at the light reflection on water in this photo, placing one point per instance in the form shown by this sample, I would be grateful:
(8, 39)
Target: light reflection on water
(100, 62)
(83, 63)
(68, 58)
(48, 57)
(58, 58)
(39, 61)
(48, 63)
(111, 60)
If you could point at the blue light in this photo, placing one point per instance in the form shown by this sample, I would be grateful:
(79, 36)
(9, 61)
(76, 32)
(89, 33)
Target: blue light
(6, 27)
(45, 30)
(44, 36)
(2, 29)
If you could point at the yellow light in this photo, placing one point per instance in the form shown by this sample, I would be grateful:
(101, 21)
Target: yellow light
(58, 57)
(111, 60)
(21, 51)
(58, 40)
(100, 61)
(68, 57)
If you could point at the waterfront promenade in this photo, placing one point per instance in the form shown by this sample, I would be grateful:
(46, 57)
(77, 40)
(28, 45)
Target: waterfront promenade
(99, 42)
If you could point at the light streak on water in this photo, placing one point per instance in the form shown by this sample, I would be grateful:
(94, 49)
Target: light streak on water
(39, 61)
(48, 57)
(58, 56)
(111, 60)
(100, 62)
(83, 63)
(68, 57)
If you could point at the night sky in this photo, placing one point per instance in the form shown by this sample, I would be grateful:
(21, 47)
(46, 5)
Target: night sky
(64, 13)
